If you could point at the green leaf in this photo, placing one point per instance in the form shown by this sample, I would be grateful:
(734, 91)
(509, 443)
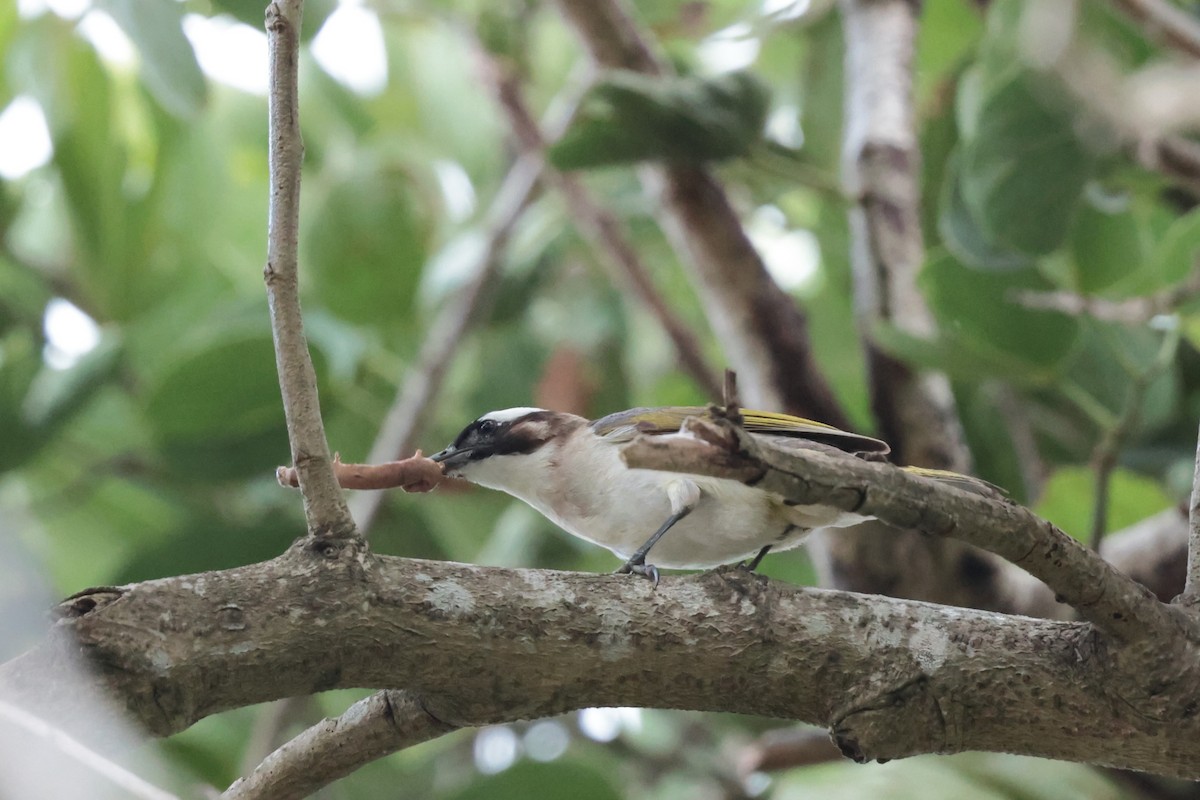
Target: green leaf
(55, 395)
(366, 245)
(110, 243)
(1107, 247)
(558, 780)
(23, 295)
(1109, 356)
(964, 235)
(222, 391)
(203, 543)
(630, 117)
(1023, 171)
(949, 33)
(821, 95)
(1178, 253)
(169, 66)
(978, 308)
(1070, 493)
(20, 362)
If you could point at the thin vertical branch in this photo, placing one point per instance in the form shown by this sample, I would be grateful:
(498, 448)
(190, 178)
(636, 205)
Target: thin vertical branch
(324, 506)
(1191, 587)
(1104, 457)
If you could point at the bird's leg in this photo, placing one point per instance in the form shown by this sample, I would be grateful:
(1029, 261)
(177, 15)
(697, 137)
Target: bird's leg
(753, 565)
(637, 562)
(684, 495)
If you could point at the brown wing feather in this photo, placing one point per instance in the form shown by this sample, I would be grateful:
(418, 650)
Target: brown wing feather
(624, 425)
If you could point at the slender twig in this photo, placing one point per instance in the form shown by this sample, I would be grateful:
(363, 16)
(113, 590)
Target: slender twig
(72, 748)
(333, 748)
(787, 748)
(1131, 311)
(1013, 416)
(269, 725)
(324, 506)
(1104, 457)
(602, 228)
(1191, 588)
(1172, 25)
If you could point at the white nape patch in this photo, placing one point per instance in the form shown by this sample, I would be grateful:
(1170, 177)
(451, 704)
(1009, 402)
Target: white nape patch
(510, 414)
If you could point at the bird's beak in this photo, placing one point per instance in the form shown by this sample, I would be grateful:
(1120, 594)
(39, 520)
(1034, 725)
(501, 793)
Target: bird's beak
(451, 457)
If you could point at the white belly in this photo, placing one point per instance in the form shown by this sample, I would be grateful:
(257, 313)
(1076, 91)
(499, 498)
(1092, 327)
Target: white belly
(594, 496)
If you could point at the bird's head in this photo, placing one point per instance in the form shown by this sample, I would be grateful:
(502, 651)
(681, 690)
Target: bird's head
(500, 446)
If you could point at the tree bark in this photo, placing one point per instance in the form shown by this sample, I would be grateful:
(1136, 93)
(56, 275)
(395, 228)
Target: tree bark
(481, 645)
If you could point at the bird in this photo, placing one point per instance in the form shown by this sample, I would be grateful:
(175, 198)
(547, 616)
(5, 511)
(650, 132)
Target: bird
(569, 469)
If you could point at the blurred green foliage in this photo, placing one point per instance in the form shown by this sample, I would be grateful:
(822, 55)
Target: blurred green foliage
(153, 453)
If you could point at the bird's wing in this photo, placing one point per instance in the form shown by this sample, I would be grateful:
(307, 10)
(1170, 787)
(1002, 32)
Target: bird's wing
(624, 425)
(966, 482)
(771, 423)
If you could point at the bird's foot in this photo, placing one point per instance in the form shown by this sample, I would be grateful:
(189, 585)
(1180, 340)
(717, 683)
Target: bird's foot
(752, 564)
(635, 567)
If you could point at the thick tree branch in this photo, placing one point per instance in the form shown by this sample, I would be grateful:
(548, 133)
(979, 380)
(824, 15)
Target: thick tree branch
(333, 748)
(483, 645)
(764, 333)
(603, 230)
(324, 506)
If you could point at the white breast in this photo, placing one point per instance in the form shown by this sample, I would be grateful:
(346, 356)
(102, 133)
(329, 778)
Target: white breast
(587, 490)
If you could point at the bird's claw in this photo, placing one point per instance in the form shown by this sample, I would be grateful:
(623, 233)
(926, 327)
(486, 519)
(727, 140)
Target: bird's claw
(640, 568)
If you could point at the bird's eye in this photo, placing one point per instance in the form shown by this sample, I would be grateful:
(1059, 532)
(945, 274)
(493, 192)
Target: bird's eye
(487, 427)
